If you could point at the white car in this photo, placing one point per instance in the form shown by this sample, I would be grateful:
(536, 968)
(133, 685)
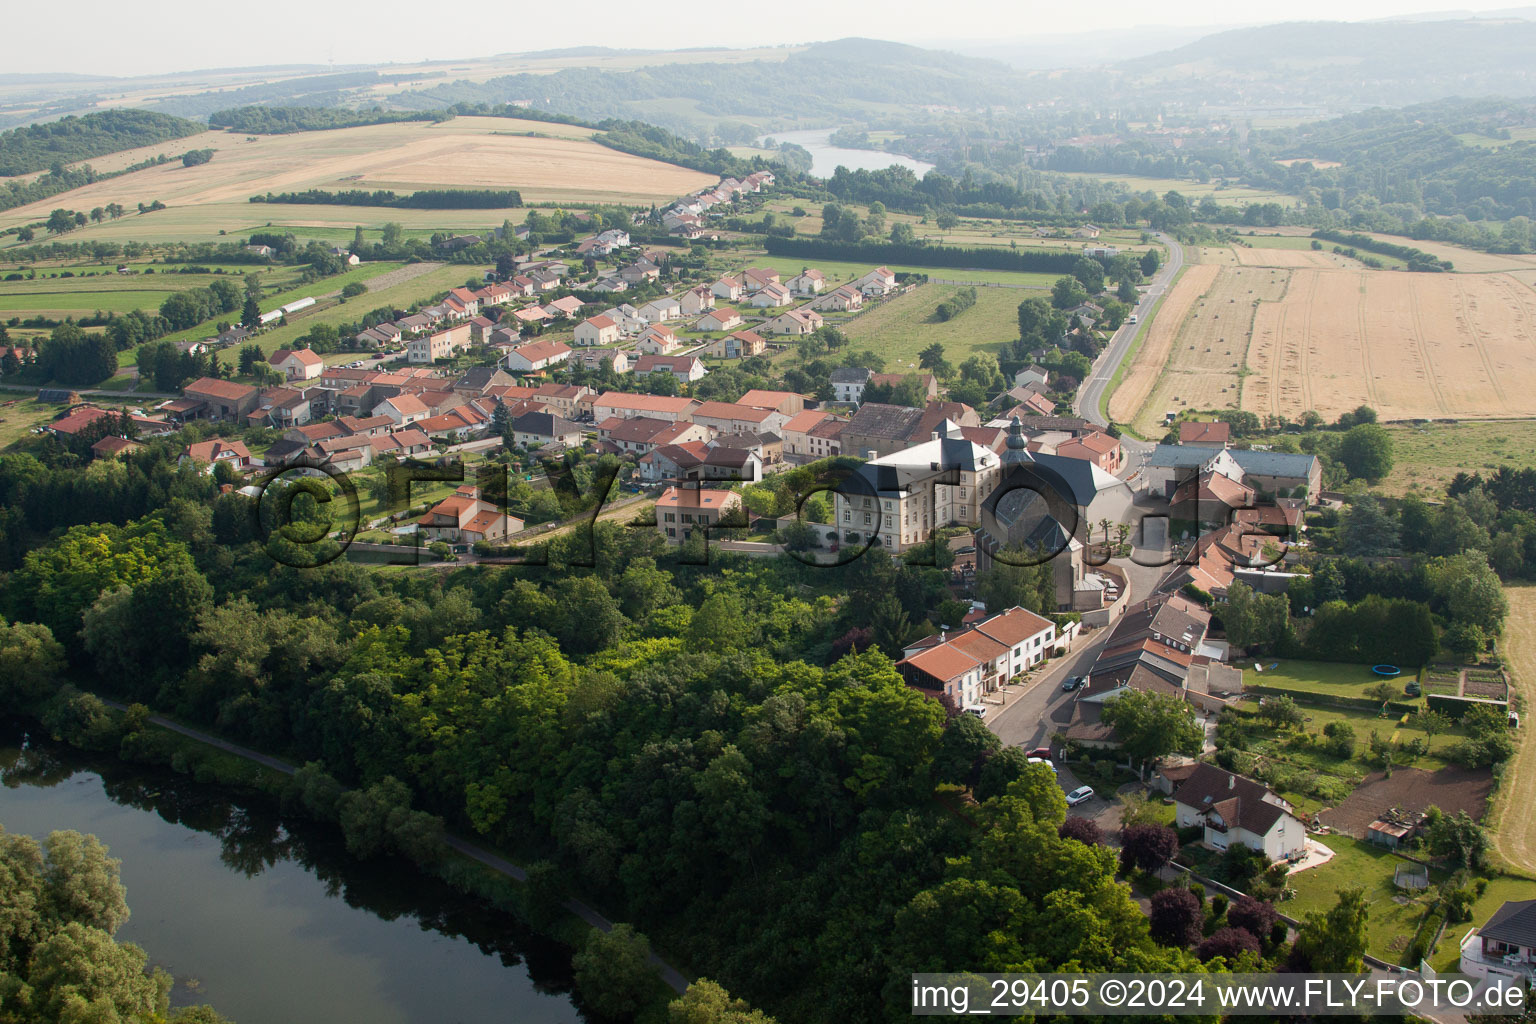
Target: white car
(1082, 794)
(1041, 760)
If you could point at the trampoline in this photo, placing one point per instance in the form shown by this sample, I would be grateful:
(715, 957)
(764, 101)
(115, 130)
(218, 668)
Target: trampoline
(1386, 671)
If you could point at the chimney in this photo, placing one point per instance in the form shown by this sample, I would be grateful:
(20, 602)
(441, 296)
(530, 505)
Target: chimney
(1231, 781)
(933, 435)
(870, 455)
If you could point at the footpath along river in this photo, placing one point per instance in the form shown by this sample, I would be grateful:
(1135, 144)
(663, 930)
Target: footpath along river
(271, 920)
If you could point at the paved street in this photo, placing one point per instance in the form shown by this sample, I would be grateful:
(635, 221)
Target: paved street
(1092, 391)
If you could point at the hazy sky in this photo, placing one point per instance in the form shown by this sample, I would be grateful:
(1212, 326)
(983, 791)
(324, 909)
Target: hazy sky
(177, 35)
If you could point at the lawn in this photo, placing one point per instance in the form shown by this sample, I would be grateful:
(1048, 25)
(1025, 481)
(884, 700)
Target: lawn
(1225, 194)
(841, 273)
(1391, 924)
(1399, 728)
(1447, 955)
(1335, 678)
(900, 328)
(58, 297)
(1426, 456)
(19, 415)
(399, 296)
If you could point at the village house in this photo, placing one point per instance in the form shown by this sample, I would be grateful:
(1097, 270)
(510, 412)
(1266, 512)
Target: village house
(641, 434)
(848, 384)
(477, 380)
(1097, 447)
(463, 518)
(565, 306)
(1504, 949)
(296, 364)
(564, 399)
(1205, 434)
(536, 429)
(220, 399)
(697, 300)
(216, 452)
(771, 295)
(722, 319)
(537, 356)
(658, 310)
(787, 402)
(113, 447)
(402, 410)
(844, 299)
(879, 281)
(596, 358)
(727, 288)
(795, 322)
(620, 404)
(657, 340)
(796, 432)
(597, 330)
(807, 282)
(1233, 810)
(728, 418)
(736, 345)
(442, 344)
(686, 369)
(681, 510)
(755, 279)
(948, 672)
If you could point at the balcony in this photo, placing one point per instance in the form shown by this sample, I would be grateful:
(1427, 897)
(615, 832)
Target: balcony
(1518, 965)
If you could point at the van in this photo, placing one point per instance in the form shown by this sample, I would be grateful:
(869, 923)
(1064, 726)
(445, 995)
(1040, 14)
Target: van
(979, 710)
(1131, 319)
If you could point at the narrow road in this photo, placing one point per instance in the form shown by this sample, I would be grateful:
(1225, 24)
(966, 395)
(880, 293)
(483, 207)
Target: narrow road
(671, 975)
(1091, 395)
(1514, 834)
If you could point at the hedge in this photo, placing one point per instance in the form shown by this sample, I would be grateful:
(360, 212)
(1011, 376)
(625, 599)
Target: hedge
(1329, 700)
(991, 258)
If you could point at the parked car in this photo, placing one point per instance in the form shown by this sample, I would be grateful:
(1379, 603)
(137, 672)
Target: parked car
(1045, 761)
(1072, 683)
(1044, 752)
(979, 710)
(1082, 794)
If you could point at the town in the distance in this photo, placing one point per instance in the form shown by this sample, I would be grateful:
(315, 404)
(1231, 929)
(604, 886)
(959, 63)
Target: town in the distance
(712, 571)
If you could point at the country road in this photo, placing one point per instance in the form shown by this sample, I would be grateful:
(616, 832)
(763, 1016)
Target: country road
(1090, 397)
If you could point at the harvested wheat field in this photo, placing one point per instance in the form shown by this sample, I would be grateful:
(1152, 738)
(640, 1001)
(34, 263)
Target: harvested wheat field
(1467, 261)
(1409, 345)
(1150, 358)
(1286, 258)
(460, 153)
(1202, 368)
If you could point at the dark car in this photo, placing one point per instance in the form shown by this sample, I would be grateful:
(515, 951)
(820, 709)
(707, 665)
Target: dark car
(1072, 682)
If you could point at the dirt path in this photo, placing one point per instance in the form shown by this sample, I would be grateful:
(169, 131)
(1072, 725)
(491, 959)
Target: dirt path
(1514, 836)
(674, 978)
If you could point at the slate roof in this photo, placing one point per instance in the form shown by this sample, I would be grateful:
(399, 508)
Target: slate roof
(1239, 801)
(1514, 923)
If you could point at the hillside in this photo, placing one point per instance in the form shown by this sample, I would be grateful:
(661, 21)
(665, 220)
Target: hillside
(37, 147)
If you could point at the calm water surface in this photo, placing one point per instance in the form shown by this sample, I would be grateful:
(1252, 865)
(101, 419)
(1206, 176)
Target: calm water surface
(270, 920)
(826, 158)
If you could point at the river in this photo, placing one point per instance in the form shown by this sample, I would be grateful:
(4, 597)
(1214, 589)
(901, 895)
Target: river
(270, 920)
(826, 158)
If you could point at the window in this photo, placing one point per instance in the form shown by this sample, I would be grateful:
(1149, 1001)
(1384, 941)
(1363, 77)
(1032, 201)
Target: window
(866, 518)
(671, 517)
(847, 517)
(962, 491)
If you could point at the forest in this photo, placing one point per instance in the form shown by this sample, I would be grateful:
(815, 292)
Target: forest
(722, 753)
(38, 147)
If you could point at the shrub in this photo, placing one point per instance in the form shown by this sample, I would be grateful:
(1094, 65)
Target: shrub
(1084, 830)
(1254, 916)
(1229, 943)
(1175, 917)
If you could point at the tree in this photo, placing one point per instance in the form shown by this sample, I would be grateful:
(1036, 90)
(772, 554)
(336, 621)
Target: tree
(1366, 451)
(1461, 841)
(1255, 619)
(1176, 917)
(1147, 847)
(891, 626)
(1334, 942)
(965, 745)
(1281, 712)
(903, 234)
(1368, 527)
(1090, 273)
(1152, 725)
(1229, 943)
(1253, 916)
(60, 221)
(613, 973)
(1017, 579)
(1127, 292)
(1084, 830)
(31, 662)
(705, 1002)
(1432, 722)
(1150, 261)
(932, 359)
(1068, 292)
(946, 220)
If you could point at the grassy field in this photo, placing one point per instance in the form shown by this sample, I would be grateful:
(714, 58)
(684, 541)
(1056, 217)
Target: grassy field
(1515, 831)
(59, 297)
(460, 153)
(1425, 457)
(1327, 677)
(1226, 194)
(1391, 924)
(399, 296)
(1447, 955)
(901, 327)
(1397, 728)
(841, 273)
(18, 415)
